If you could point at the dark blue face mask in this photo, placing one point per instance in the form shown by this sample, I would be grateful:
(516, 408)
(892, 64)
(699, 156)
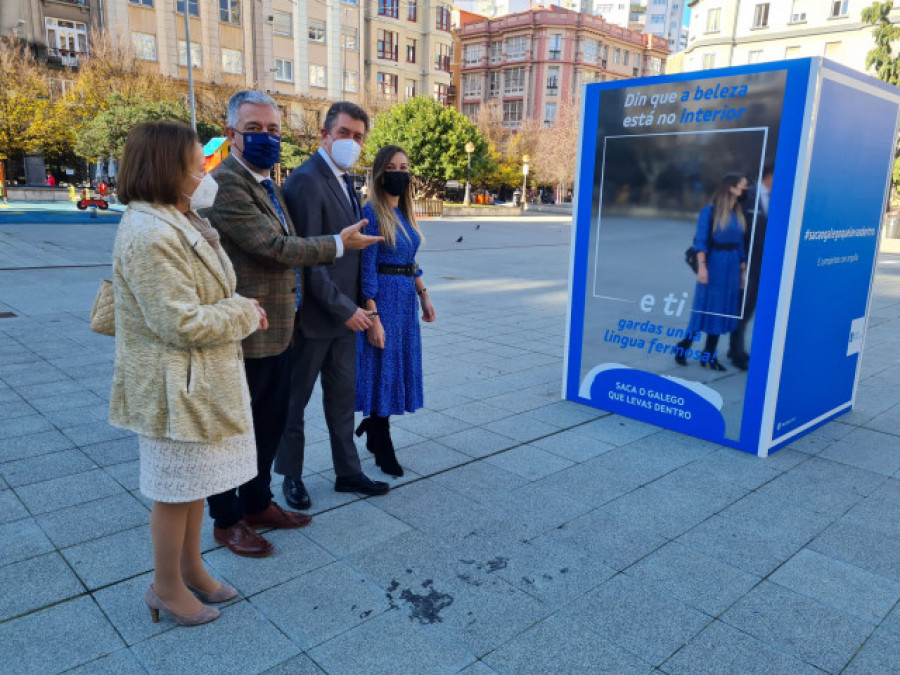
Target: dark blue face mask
(261, 149)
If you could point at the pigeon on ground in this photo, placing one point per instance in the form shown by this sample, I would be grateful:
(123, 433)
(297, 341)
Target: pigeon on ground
(478, 227)
(459, 240)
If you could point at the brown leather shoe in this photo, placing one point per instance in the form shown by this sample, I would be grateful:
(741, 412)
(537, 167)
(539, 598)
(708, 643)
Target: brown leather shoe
(241, 540)
(276, 517)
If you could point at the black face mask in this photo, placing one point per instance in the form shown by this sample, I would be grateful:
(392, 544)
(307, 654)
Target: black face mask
(743, 197)
(395, 183)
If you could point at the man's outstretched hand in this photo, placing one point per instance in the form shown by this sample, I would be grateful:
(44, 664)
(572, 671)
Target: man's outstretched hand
(354, 239)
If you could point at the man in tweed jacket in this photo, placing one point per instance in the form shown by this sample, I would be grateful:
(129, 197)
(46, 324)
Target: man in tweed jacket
(259, 237)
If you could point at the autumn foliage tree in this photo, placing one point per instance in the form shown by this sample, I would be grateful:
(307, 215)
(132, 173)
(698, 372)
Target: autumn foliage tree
(31, 120)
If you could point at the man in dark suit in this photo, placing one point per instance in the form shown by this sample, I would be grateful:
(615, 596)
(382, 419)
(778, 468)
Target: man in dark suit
(321, 200)
(257, 233)
(757, 205)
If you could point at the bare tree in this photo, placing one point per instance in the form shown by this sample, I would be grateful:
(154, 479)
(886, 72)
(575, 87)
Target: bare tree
(557, 148)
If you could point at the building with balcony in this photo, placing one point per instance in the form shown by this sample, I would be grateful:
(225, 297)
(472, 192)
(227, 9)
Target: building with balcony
(57, 31)
(663, 18)
(734, 32)
(533, 61)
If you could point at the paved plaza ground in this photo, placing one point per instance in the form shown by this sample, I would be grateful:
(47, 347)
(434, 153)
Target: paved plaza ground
(530, 535)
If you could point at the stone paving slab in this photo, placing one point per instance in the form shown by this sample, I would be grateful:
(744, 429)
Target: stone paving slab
(528, 535)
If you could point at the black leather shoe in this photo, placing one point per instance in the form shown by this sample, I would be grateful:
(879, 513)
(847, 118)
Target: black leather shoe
(295, 494)
(360, 484)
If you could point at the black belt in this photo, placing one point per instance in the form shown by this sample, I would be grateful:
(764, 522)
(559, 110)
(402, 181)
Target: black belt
(723, 247)
(404, 270)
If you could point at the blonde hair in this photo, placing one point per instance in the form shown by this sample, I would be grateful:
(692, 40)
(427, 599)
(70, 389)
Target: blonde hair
(721, 202)
(388, 222)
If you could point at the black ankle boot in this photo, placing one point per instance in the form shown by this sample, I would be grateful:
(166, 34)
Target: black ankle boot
(379, 443)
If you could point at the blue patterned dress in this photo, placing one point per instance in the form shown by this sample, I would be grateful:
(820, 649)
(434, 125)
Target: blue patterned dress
(389, 380)
(717, 303)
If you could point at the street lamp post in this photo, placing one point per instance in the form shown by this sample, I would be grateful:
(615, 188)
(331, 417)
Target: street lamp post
(525, 160)
(467, 200)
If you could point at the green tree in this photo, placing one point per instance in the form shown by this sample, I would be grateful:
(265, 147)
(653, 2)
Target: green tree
(883, 59)
(104, 135)
(434, 138)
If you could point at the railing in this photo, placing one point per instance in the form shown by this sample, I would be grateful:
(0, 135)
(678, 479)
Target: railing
(428, 208)
(63, 57)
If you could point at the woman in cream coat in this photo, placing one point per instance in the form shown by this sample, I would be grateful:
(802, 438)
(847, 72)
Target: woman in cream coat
(179, 375)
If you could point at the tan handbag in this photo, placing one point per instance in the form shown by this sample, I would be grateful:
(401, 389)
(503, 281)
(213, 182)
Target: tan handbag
(103, 313)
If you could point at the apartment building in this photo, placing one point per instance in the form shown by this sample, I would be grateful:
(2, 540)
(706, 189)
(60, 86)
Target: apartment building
(663, 18)
(533, 61)
(57, 30)
(735, 32)
(306, 53)
(410, 53)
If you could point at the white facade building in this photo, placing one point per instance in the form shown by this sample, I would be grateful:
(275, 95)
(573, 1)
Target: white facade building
(738, 32)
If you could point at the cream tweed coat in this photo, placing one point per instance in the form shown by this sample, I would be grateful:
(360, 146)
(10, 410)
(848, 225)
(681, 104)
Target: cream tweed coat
(178, 370)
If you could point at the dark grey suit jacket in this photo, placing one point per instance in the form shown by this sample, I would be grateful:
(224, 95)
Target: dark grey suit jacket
(318, 205)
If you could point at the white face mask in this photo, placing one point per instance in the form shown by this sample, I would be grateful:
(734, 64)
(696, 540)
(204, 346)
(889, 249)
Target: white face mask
(345, 152)
(205, 194)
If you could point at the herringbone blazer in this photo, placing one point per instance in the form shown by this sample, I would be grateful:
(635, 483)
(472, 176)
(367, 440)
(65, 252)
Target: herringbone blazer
(264, 257)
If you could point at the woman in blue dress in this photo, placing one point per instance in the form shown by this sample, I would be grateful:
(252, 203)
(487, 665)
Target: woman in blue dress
(721, 269)
(389, 355)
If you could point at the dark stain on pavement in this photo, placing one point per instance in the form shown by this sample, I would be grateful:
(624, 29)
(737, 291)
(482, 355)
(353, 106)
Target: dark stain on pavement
(426, 608)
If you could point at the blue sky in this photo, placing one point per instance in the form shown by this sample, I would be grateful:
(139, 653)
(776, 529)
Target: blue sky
(687, 15)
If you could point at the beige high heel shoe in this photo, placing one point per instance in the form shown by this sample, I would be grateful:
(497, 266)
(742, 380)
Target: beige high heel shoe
(224, 593)
(156, 605)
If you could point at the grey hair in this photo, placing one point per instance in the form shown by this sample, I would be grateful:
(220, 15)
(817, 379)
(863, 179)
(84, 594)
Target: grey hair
(242, 97)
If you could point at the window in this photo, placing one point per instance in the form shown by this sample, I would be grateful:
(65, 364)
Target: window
(470, 110)
(283, 23)
(350, 80)
(411, 51)
(798, 11)
(515, 48)
(471, 85)
(712, 20)
(659, 2)
(145, 3)
(839, 8)
(512, 113)
(232, 61)
(658, 18)
(442, 58)
(441, 93)
(833, 50)
(230, 11)
(144, 46)
(387, 45)
(496, 51)
(316, 31)
(443, 19)
(555, 52)
(350, 39)
(472, 54)
(754, 56)
(389, 8)
(761, 15)
(317, 76)
(617, 55)
(284, 70)
(66, 40)
(349, 2)
(792, 53)
(193, 8)
(590, 51)
(410, 89)
(625, 57)
(387, 85)
(494, 84)
(655, 65)
(195, 54)
(709, 61)
(552, 80)
(549, 114)
(411, 10)
(514, 81)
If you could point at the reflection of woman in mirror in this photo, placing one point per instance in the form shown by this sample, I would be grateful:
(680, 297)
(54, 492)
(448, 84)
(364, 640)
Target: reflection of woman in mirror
(722, 264)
